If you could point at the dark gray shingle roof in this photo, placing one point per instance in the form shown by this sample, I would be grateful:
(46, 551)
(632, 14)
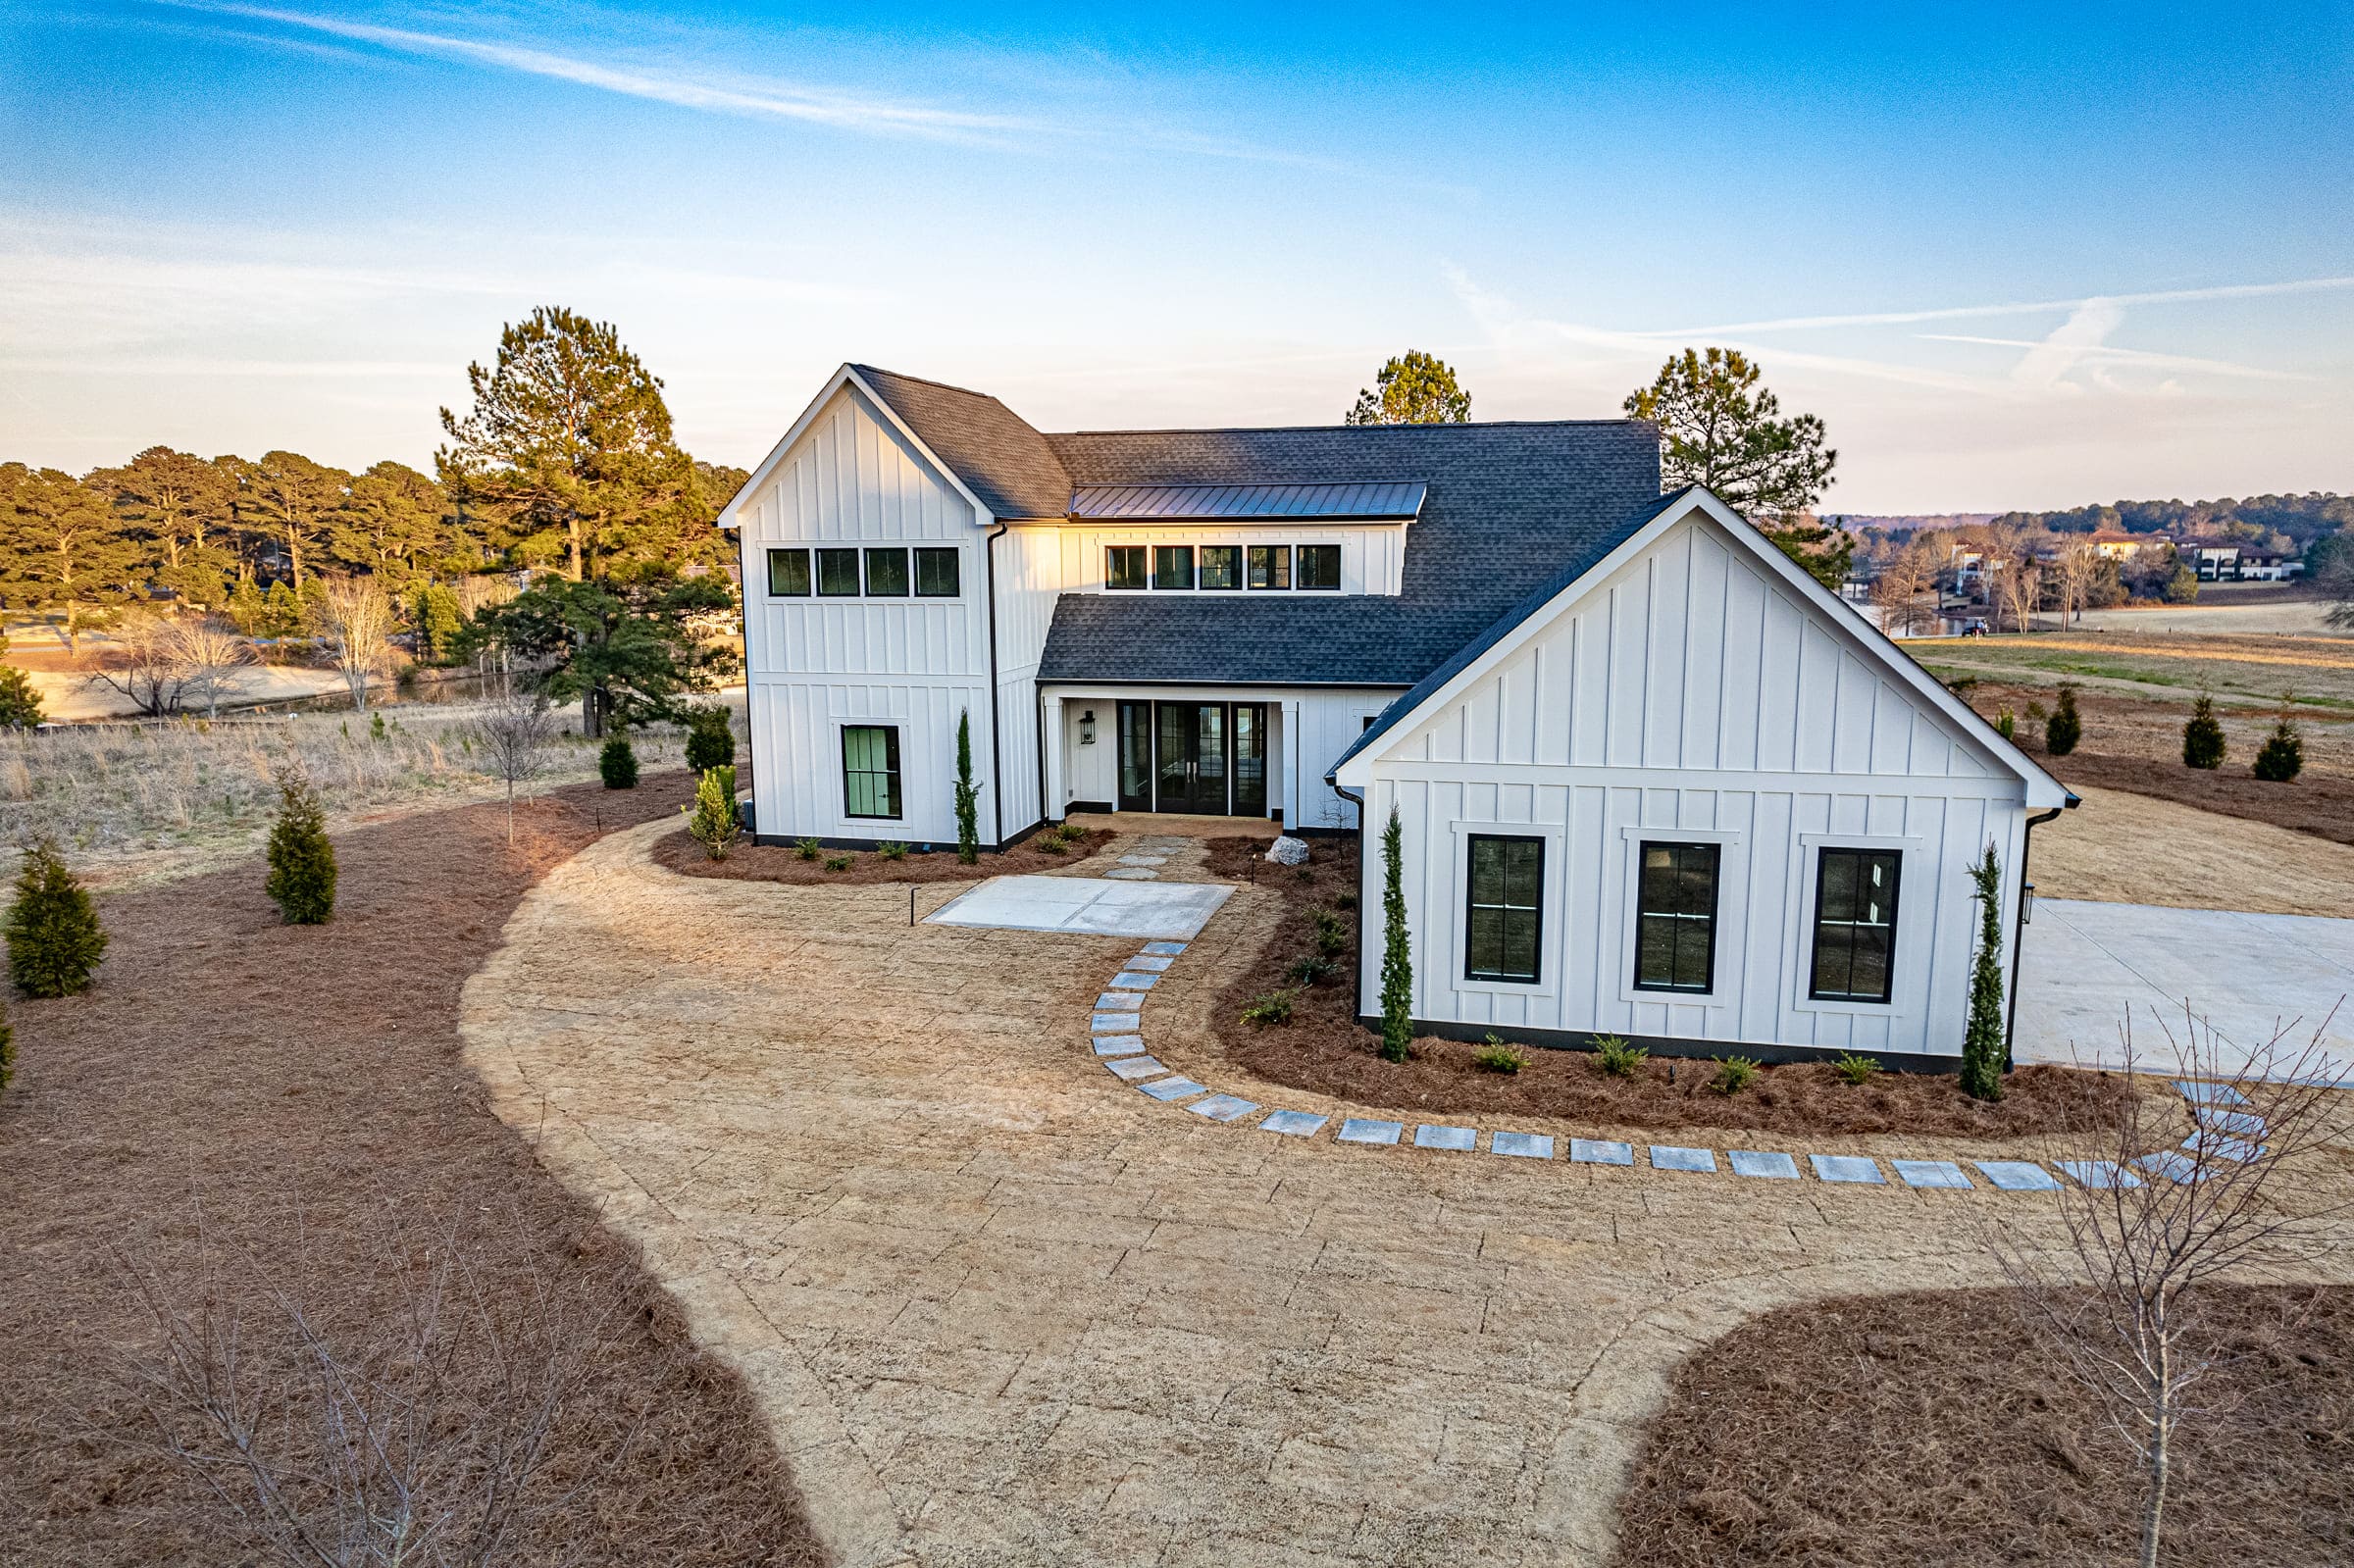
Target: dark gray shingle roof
(1510, 507)
(993, 449)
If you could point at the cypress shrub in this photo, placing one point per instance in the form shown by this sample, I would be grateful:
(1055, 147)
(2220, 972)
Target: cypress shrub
(2203, 737)
(710, 742)
(1397, 950)
(617, 763)
(2063, 729)
(1983, 1038)
(302, 863)
(2284, 755)
(711, 821)
(968, 794)
(54, 938)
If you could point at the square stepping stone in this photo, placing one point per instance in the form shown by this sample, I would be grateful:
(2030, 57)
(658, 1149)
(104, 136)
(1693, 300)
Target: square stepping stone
(1119, 1044)
(1130, 980)
(1150, 963)
(1132, 1068)
(2211, 1093)
(1223, 1107)
(1462, 1139)
(2174, 1166)
(2222, 1146)
(1143, 860)
(1132, 874)
(1119, 1001)
(1357, 1130)
(1112, 1023)
(1930, 1173)
(1599, 1151)
(1165, 949)
(1293, 1124)
(1669, 1157)
(1765, 1167)
(2018, 1176)
(1847, 1168)
(1172, 1089)
(2240, 1123)
(1526, 1145)
(2099, 1174)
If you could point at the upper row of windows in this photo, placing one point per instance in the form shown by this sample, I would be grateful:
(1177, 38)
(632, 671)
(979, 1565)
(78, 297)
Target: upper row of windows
(1224, 566)
(879, 573)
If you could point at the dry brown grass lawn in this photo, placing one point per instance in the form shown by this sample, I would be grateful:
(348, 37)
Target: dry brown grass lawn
(1930, 1430)
(299, 1085)
(2131, 848)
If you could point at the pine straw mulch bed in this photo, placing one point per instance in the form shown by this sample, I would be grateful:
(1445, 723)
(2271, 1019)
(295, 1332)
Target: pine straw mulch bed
(1324, 1048)
(2136, 745)
(748, 862)
(302, 1090)
(1933, 1429)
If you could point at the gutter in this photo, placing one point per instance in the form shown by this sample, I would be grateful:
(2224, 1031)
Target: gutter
(2018, 929)
(996, 748)
(1364, 913)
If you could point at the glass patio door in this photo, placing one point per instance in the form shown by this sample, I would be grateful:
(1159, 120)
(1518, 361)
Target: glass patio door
(1208, 758)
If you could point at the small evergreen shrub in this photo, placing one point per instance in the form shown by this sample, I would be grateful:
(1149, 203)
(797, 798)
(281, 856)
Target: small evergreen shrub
(1344, 901)
(54, 938)
(617, 763)
(1332, 932)
(1269, 1007)
(711, 821)
(891, 849)
(375, 725)
(20, 703)
(710, 741)
(1311, 969)
(1050, 843)
(2203, 737)
(2006, 723)
(302, 863)
(807, 849)
(1853, 1069)
(1497, 1057)
(2065, 728)
(1615, 1057)
(1734, 1075)
(839, 862)
(2282, 756)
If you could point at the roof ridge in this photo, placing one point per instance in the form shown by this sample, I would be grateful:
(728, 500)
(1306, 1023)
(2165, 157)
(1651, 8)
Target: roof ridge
(1282, 429)
(926, 381)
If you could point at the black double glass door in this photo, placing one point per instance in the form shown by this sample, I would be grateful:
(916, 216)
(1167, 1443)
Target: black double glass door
(1204, 757)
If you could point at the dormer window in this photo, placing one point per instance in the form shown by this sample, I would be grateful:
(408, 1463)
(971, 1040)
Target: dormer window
(1320, 565)
(1124, 566)
(1172, 566)
(1221, 566)
(1271, 566)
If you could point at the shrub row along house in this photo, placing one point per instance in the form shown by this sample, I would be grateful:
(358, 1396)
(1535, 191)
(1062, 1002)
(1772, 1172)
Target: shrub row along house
(1653, 780)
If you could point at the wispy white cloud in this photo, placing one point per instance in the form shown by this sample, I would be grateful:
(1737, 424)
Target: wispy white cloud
(2044, 364)
(2127, 356)
(1949, 313)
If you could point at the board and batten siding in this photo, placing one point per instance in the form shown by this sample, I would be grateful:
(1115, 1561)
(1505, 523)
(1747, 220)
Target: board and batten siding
(1692, 696)
(814, 665)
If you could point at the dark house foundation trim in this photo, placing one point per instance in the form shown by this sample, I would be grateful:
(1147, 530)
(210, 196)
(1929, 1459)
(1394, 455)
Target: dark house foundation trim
(914, 846)
(1579, 1040)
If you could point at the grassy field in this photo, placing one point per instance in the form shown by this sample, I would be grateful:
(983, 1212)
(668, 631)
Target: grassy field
(2162, 665)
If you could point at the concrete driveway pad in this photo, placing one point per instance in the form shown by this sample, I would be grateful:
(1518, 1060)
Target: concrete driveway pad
(1097, 906)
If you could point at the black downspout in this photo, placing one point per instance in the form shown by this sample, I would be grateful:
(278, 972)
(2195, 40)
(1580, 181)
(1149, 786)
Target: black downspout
(1364, 910)
(2018, 929)
(997, 747)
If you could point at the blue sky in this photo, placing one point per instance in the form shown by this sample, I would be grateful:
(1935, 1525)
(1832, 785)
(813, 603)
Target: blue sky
(2030, 256)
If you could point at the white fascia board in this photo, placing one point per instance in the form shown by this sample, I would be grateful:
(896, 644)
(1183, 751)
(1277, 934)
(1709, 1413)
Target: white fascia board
(2042, 789)
(846, 376)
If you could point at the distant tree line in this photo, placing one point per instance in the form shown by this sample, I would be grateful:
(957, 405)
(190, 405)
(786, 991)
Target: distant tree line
(2275, 521)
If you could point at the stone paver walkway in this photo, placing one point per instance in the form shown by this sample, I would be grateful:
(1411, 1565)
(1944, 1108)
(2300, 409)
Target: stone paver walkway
(1004, 1309)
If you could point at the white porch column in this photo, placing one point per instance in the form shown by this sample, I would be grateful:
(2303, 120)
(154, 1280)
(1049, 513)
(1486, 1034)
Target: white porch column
(1292, 790)
(1050, 726)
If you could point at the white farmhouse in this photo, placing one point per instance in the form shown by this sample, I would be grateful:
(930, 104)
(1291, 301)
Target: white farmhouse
(1653, 780)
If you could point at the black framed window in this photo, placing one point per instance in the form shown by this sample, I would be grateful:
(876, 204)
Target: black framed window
(1855, 925)
(938, 574)
(1172, 566)
(1124, 566)
(1320, 565)
(1675, 918)
(838, 574)
(1271, 566)
(870, 770)
(1503, 921)
(887, 574)
(788, 574)
(1221, 566)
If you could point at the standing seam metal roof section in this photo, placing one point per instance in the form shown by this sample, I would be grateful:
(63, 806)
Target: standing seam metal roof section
(1398, 499)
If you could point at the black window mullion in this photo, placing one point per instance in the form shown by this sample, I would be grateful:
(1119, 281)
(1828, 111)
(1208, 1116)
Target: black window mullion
(1856, 892)
(1503, 920)
(1676, 917)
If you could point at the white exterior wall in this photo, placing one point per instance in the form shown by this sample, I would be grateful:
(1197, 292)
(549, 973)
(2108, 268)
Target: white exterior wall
(813, 665)
(1695, 694)
(1308, 728)
(1372, 554)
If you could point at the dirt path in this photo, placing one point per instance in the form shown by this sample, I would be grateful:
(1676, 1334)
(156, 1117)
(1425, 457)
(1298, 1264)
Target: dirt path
(1002, 1309)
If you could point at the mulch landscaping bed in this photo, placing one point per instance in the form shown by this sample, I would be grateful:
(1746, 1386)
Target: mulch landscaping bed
(1324, 1048)
(2137, 746)
(1932, 1429)
(784, 863)
(301, 1088)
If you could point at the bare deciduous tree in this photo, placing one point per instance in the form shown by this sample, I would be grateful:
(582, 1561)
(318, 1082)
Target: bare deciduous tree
(356, 618)
(1906, 591)
(514, 732)
(2151, 1219)
(164, 664)
(417, 1435)
(213, 653)
(2072, 574)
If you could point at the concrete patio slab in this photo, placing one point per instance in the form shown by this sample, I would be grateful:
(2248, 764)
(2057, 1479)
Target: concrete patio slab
(1094, 905)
